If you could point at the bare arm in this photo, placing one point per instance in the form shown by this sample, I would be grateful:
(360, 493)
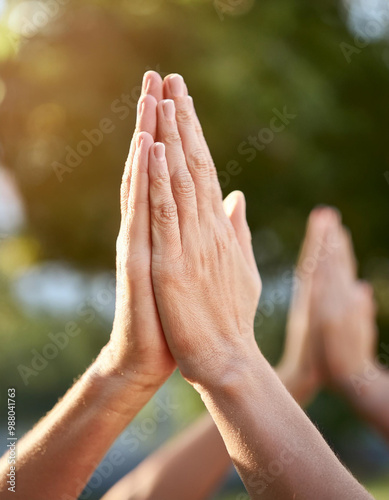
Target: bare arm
(198, 457)
(197, 260)
(192, 464)
(190, 467)
(368, 393)
(56, 458)
(347, 315)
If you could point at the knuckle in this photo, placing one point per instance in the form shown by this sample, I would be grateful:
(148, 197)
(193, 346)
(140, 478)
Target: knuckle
(198, 129)
(166, 213)
(183, 113)
(183, 183)
(161, 182)
(172, 137)
(199, 162)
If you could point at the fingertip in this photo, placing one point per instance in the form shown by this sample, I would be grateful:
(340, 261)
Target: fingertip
(152, 84)
(144, 140)
(174, 86)
(159, 151)
(147, 99)
(167, 109)
(147, 114)
(325, 213)
(144, 136)
(158, 165)
(146, 104)
(235, 201)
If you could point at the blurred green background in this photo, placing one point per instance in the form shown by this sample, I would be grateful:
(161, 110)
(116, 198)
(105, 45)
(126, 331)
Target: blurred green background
(66, 66)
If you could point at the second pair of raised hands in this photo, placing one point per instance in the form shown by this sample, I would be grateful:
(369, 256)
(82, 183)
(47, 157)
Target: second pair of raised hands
(175, 231)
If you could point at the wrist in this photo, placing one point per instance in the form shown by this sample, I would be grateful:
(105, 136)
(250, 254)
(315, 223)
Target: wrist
(123, 387)
(228, 369)
(131, 365)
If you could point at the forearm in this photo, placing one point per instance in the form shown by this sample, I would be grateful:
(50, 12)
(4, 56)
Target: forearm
(369, 396)
(275, 448)
(56, 458)
(190, 467)
(192, 464)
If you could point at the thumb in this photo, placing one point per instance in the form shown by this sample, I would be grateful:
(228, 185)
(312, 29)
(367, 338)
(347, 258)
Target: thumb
(235, 208)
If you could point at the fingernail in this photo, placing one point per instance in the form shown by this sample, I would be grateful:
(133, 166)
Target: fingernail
(159, 151)
(176, 85)
(139, 141)
(168, 109)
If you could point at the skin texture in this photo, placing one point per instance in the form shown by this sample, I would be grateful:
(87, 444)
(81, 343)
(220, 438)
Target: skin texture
(132, 366)
(301, 364)
(196, 260)
(196, 231)
(190, 466)
(128, 371)
(197, 460)
(202, 262)
(346, 313)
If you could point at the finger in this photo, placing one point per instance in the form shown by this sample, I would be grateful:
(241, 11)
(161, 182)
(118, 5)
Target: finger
(175, 88)
(137, 236)
(235, 209)
(196, 159)
(366, 293)
(347, 254)
(314, 253)
(340, 264)
(314, 243)
(152, 85)
(181, 180)
(366, 307)
(165, 233)
(146, 122)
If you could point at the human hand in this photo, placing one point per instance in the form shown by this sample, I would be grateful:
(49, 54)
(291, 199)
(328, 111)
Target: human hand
(346, 312)
(205, 280)
(137, 342)
(300, 367)
(138, 346)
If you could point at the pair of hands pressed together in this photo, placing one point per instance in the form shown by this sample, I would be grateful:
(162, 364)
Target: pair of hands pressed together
(187, 293)
(179, 253)
(331, 331)
(175, 232)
